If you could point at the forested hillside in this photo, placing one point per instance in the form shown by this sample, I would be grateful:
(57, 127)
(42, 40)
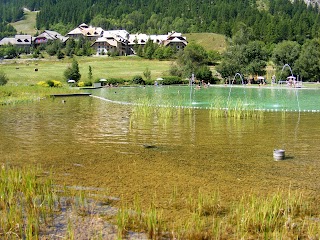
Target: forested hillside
(268, 20)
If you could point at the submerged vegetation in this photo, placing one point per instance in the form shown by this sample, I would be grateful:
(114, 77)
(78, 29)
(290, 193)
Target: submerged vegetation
(237, 109)
(165, 109)
(30, 203)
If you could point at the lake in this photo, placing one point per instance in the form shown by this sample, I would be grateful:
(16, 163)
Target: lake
(91, 143)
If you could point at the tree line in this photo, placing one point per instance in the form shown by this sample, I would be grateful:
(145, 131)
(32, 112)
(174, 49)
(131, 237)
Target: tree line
(269, 21)
(250, 59)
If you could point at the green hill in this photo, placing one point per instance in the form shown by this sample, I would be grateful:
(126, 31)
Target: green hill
(210, 41)
(28, 24)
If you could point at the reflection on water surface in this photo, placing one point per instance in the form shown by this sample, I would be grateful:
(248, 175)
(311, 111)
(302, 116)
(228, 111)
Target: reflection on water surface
(89, 142)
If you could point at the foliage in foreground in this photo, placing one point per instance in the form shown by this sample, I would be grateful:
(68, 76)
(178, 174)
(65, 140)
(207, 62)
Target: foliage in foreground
(29, 204)
(281, 215)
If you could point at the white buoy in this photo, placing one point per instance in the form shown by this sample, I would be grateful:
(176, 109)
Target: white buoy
(279, 154)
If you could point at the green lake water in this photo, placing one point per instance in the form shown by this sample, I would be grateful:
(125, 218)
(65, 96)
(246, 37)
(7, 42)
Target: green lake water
(265, 98)
(93, 143)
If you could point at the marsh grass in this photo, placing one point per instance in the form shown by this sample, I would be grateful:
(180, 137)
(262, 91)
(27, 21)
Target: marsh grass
(149, 110)
(25, 204)
(281, 215)
(237, 109)
(29, 202)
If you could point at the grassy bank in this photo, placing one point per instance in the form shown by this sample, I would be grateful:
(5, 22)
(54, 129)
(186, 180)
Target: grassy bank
(27, 93)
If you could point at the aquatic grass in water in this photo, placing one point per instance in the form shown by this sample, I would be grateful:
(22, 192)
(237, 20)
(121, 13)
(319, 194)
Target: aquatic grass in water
(29, 203)
(235, 110)
(277, 213)
(148, 110)
(24, 206)
(205, 205)
(25, 209)
(282, 215)
(123, 220)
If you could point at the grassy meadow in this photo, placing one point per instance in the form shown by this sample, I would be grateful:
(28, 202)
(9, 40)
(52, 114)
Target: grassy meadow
(22, 71)
(23, 77)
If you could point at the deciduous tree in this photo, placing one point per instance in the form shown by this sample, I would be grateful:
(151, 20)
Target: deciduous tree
(73, 72)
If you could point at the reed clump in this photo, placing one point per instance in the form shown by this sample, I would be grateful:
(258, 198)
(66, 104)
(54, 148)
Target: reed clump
(281, 215)
(29, 204)
(26, 204)
(150, 110)
(235, 110)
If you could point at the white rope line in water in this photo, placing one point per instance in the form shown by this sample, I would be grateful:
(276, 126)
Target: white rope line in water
(112, 101)
(192, 107)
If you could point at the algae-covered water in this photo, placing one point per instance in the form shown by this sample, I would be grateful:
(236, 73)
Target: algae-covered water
(90, 143)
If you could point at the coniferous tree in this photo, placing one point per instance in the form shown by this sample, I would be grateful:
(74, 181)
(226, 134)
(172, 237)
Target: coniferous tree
(90, 73)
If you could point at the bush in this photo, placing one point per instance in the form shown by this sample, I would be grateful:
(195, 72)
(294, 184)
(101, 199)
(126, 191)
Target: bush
(138, 80)
(204, 73)
(149, 82)
(3, 79)
(50, 83)
(85, 84)
(72, 72)
(43, 84)
(56, 83)
(168, 80)
(115, 81)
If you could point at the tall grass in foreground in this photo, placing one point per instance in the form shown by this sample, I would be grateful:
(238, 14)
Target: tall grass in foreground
(25, 203)
(28, 205)
(281, 215)
(18, 94)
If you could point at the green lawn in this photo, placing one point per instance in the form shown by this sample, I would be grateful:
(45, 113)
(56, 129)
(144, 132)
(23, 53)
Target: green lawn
(22, 71)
